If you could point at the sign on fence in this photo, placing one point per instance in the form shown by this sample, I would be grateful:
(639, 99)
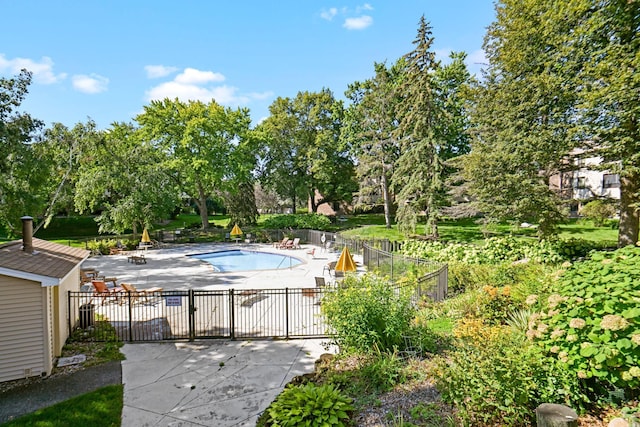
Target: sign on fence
(173, 301)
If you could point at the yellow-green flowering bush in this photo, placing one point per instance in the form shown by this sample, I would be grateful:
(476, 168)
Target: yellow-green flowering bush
(591, 324)
(367, 313)
(494, 378)
(496, 250)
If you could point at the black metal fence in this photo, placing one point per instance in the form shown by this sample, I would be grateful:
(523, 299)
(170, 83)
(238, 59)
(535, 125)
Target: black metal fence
(432, 277)
(196, 314)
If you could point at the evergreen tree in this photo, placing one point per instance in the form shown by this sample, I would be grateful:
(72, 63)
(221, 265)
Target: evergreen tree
(431, 131)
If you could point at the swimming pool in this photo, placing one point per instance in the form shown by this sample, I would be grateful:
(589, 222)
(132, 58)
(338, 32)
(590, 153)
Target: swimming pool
(242, 260)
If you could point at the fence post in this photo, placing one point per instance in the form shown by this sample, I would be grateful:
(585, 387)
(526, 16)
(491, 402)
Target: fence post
(69, 311)
(130, 317)
(192, 312)
(286, 309)
(232, 320)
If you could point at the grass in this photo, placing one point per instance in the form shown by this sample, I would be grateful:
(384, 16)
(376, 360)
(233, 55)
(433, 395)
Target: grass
(74, 231)
(469, 231)
(101, 408)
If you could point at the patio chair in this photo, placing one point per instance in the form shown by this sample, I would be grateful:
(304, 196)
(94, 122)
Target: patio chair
(320, 282)
(328, 267)
(137, 294)
(283, 244)
(101, 290)
(86, 276)
(293, 244)
(137, 259)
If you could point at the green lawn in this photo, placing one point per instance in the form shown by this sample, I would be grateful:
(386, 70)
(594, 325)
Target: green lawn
(468, 231)
(101, 408)
(74, 231)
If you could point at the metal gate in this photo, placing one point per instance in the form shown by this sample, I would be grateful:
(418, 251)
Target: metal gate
(196, 314)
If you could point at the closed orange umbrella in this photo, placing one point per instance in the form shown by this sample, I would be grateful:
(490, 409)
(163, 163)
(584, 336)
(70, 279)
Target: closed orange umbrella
(236, 231)
(345, 262)
(145, 237)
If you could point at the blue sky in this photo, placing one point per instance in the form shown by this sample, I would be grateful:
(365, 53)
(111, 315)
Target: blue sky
(105, 60)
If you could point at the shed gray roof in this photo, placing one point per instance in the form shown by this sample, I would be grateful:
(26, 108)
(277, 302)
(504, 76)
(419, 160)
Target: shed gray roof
(48, 259)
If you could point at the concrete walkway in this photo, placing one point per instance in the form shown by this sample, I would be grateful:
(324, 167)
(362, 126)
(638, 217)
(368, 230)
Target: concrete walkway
(210, 383)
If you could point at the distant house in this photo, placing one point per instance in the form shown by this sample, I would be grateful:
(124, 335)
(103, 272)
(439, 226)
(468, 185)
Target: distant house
(35, 276)
(333, 209)
(586, 181)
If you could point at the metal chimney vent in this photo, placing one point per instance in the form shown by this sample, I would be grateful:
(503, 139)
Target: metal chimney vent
(27, 234)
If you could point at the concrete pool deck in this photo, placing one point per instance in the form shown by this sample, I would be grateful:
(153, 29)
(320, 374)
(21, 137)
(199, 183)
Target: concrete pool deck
(171, 269)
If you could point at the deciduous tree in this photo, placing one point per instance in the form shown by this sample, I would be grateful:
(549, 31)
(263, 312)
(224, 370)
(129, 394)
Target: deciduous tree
(198, 141)
(370, 124)
(303, 152)
(22, 186)
(521, 116)
(123, 177)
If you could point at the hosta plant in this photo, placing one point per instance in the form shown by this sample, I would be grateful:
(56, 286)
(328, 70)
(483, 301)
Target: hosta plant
(310, 405)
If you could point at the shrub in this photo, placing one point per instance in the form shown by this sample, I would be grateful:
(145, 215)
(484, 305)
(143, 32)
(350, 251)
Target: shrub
(494, 378)
(101, 246)
(497, 250)
(598, 211)
(310, 405)
(496, 304)
(592, 323)
(523, 278)
(299, 221)
(367, 312)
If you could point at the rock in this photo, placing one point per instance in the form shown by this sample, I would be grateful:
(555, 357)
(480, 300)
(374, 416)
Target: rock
(73, 360)
(554, 415)
(618, 422)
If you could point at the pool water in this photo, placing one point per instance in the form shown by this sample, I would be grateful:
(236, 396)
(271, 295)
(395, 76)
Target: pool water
(241, 260)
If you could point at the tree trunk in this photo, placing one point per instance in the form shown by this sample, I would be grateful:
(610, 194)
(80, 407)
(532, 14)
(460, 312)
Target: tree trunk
(293, 200)
(202, 206)
(629, 215)
(554, 415)
(312, 200)
(387, 199)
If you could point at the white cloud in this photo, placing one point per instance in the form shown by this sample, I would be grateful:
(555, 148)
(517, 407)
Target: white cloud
(329, 14)
(193, 76)
(365, 6)
(359, 23)
(190, 92)
(156, 71)
(42, 70)
(90, 84)
(191, 85)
